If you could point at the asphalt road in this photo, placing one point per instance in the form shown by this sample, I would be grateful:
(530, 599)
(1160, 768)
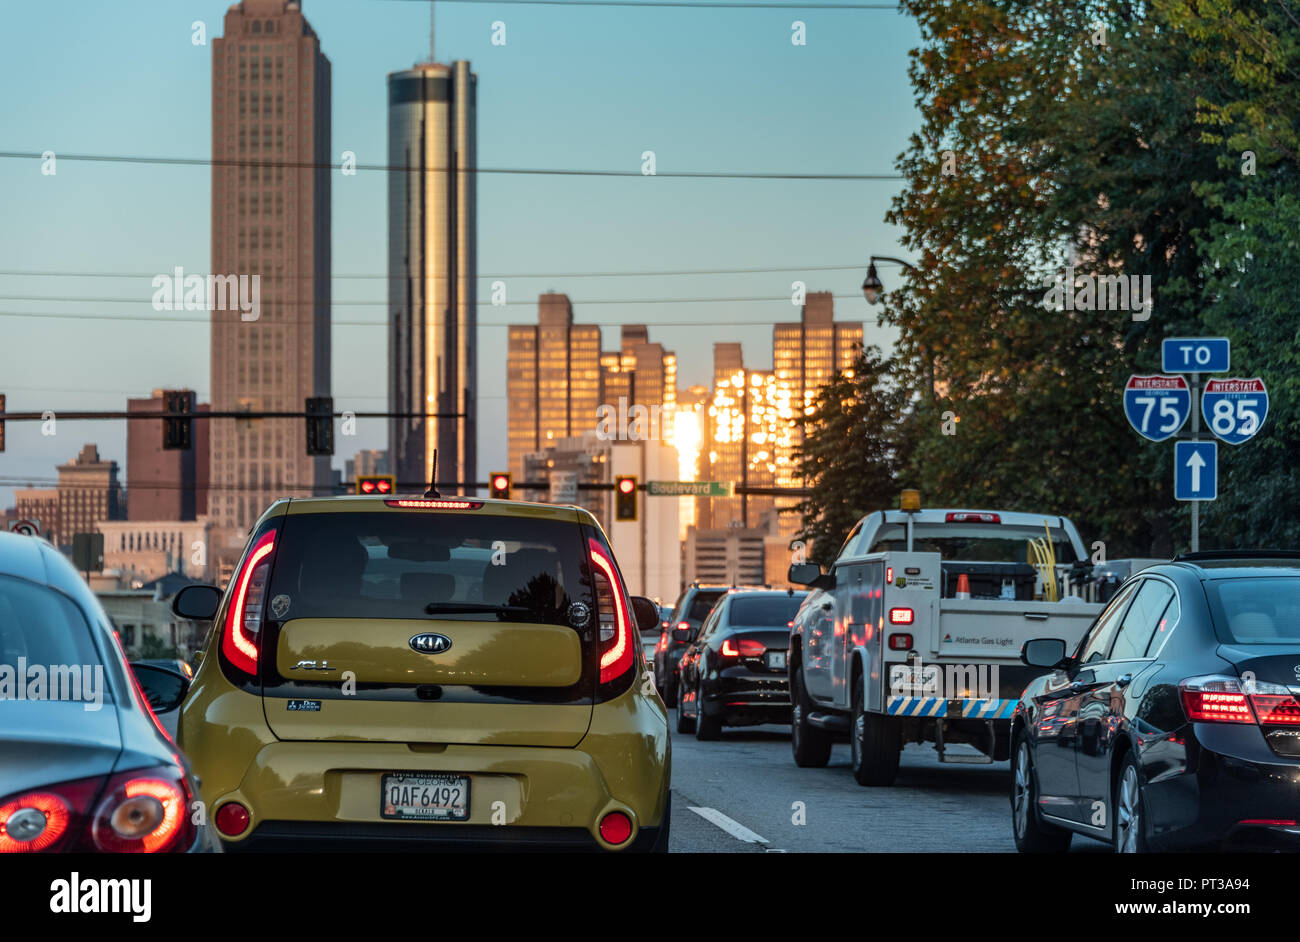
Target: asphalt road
(754, 799)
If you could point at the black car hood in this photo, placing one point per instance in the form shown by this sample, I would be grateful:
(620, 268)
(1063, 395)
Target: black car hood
(44, 742)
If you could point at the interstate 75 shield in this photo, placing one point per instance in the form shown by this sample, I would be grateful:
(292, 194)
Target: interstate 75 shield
(1157, 406)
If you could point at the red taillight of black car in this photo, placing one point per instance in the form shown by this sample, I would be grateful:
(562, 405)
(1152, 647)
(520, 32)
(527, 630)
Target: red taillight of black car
(1224, 699)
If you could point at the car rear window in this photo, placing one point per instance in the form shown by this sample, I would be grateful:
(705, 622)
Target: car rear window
(413, 565)
(701, 605)
(1256, 611)
(43, 627)
(775, 611)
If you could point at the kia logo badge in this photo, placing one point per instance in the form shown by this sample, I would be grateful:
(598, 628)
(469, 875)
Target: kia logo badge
(430, 643)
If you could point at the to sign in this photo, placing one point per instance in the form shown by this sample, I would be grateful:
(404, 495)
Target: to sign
(1195, 355)
(25, 527)
(1157, 406)
(1234, 409)
(1196, 470)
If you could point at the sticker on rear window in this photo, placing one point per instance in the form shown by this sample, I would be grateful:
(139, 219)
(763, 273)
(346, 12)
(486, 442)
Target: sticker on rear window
(309, 706)
(280, 605)
(579, 614)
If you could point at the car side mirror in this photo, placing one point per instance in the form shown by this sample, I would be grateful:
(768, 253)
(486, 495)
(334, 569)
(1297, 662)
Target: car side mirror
(811, 575)
(1043, 652)
(646, 612)
(164, 689)
(197, 602)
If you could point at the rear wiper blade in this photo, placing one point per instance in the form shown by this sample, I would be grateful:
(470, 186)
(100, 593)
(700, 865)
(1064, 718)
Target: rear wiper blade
(472, 608)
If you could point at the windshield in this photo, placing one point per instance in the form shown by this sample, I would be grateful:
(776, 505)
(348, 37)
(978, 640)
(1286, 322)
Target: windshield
(764, 611)
(700, 607)
(991, 545)
(43, 630)
(399, 565)
(1256, 611)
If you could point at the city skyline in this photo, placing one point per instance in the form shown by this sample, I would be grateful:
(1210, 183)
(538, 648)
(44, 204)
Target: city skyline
(674, 221)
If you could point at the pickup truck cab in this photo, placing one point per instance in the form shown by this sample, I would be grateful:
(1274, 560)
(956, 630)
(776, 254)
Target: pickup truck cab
(914, 634)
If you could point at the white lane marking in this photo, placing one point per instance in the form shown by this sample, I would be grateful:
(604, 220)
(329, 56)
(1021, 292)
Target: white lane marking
(734, 828)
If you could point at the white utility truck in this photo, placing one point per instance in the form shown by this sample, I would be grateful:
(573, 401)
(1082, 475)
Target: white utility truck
(914, 635)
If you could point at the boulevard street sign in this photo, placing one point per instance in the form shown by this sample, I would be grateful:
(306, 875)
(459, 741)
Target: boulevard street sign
(1157, 406)
(1234, 409)
(688, 488)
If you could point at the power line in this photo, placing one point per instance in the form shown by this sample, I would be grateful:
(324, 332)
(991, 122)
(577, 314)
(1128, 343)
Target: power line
(396, 168)
(23, 273)
(306, 302)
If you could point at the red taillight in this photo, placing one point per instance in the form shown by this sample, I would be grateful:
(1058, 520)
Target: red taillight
(242, 634)
(144, 812)
(901, 616)
(429, 504)
(900, 642)
(744, 647)
(684, 624)
(1276, 709)
(663, 642)
(889, 575)
(231, 819)
(1270, 822)
(615, 827)
(970, 517)
(1223, 699)
(620, 655)
(34, 822)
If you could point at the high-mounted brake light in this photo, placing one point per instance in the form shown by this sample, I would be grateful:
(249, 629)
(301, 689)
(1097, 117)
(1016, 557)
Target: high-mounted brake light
(901, 616)
(430, 504)
(970, 517)
(620, 656)
(242, 632)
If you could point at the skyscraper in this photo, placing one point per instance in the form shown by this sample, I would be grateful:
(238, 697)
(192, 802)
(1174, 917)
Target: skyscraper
(270, 222)
(553, 379)
(163, 484)
(432, 271)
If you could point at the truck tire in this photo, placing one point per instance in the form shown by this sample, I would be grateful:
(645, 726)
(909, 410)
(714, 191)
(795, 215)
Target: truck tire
(874, 744)
(1032, 835)
(811, 746)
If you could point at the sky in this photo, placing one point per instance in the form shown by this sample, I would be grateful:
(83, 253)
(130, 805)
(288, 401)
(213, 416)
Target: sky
(571, 88)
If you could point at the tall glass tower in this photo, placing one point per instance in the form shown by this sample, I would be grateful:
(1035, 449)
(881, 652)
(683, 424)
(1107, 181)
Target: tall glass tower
(432, 271)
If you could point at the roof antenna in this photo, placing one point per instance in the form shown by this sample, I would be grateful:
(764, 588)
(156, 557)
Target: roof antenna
(433, 478)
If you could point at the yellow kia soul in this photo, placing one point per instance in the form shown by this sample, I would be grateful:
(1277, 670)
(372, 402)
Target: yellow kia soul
(425, 673)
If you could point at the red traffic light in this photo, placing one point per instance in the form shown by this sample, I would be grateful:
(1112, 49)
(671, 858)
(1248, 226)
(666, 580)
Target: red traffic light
(367, 487)
(500, 482)
(375, 484)
(499, 485)
(626, 485)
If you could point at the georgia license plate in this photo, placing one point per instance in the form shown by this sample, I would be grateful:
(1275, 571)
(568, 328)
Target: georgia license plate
(776, 660)
(407, 797)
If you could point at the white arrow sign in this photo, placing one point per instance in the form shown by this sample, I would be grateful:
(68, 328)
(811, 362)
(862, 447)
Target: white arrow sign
(1196, 463)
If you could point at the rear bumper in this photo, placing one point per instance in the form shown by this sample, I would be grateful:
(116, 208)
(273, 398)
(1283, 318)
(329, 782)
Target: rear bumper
(409, 837)
(1230, 793)
(743, 698)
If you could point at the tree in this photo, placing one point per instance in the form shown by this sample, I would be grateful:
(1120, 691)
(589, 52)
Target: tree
(856, 443)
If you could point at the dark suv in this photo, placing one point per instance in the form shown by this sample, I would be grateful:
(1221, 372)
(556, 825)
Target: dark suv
(693, 606)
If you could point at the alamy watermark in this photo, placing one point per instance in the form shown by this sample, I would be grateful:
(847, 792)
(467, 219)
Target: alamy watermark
(1070, 292)
(181, 292)
(75, 682)
(944, 681)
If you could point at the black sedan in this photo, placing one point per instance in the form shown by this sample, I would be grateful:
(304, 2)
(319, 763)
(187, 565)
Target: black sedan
(683, 625)
(734, 672)
(1175, 724)
(84, 764)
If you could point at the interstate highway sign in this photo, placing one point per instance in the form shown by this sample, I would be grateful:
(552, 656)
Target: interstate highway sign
(688, 488)
(1157, 406)
(1234, 409)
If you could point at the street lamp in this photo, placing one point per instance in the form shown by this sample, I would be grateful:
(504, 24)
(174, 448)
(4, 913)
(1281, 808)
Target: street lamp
(873, 287)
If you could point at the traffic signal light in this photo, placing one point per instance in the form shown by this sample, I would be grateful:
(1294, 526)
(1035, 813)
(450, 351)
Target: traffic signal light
(499, 483)
(625, 498)
(380, 484)
(320, 425)
(178, 433)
